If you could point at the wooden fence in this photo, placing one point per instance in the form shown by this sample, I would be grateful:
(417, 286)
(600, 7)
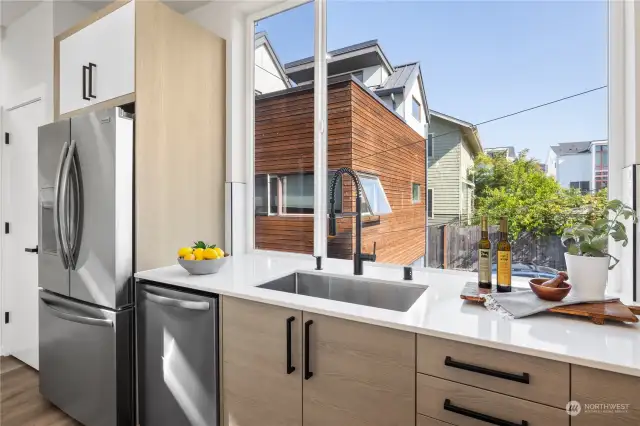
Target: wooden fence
(455, 246)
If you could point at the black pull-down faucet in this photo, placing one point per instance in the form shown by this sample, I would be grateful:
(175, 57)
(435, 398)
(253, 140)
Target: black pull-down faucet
(358, 256)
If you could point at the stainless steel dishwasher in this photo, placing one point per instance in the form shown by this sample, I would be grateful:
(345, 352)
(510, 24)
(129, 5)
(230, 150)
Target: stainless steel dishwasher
(177, 335)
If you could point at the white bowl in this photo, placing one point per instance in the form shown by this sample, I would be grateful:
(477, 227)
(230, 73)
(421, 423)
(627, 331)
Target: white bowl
(202, 267)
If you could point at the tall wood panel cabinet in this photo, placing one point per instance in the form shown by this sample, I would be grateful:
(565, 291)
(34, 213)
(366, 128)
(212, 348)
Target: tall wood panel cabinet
(174, 71)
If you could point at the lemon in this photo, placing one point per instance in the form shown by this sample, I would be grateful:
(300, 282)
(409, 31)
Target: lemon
(199, 253)
(184, 251)
(189, 256)
(210, 253)
(219, 251)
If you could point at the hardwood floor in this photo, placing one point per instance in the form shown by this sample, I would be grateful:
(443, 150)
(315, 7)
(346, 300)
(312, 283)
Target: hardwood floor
(20, 401)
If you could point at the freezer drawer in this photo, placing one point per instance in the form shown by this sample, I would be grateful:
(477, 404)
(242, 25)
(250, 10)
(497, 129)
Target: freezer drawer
(86, 360)
(177, 357)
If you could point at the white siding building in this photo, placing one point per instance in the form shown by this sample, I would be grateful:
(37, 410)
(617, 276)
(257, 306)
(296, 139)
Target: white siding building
(269, 75)
(581, 165)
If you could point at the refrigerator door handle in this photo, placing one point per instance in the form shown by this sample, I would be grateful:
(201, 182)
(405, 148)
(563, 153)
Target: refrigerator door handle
(56, 208)
(64, 190)
(177, 303)
(99, 322)
(76, 219)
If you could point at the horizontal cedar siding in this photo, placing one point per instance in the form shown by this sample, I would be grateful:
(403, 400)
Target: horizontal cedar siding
(384, 145)
(284, 145)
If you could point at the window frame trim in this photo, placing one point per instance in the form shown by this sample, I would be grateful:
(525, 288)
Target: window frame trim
(413, 200)
(432, 204)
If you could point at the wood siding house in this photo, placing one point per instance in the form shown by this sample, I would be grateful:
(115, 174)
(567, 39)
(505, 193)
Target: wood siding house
(364, 134)
(455, 145)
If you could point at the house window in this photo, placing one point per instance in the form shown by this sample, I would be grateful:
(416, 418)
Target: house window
(266, 198)
(359, 75)
(430, 145)
(375, 199)
(415, 193)
(430, 202)
(601, 172)
(415, 108)
(583, 186)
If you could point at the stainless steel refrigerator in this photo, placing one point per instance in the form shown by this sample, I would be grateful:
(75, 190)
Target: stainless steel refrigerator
(86, 264)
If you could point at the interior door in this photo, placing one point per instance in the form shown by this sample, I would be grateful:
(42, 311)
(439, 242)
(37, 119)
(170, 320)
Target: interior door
(20, 211)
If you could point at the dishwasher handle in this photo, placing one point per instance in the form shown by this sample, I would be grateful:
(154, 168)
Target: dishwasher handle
(77, 318)
(177, 303)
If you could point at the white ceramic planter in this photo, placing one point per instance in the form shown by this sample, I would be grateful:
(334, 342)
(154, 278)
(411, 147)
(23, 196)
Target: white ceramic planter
(587, 275)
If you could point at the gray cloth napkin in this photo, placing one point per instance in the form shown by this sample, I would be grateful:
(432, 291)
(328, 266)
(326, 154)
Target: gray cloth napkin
(524, 303)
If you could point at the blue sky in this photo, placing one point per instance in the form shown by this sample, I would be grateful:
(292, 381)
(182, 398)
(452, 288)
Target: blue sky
(481, 59)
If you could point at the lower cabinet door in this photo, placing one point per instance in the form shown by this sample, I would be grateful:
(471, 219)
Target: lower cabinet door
(262, 364)
(357, 374)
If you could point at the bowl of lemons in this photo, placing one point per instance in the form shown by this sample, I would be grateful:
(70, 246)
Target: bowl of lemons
(202, 258)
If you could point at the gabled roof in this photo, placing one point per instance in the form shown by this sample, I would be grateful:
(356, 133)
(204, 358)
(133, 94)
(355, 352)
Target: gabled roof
(468, 129)
(400, 79)
(343, 60)
(261, 39)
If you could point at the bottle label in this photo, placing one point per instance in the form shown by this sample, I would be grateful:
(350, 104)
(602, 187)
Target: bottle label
(504, 267)
(484, 265)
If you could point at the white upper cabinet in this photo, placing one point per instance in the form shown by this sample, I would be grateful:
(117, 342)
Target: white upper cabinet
(97, 63)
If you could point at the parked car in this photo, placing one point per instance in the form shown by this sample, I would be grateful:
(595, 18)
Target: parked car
(530, 270)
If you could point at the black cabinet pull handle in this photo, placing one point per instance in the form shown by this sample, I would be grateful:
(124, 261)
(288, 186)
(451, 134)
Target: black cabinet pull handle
(31, 250)
(84, 83)
(290, 368)
(522, 378)
(479, 416)
(307, 370)
(91, 67)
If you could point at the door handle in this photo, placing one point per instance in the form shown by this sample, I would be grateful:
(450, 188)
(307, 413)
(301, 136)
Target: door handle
(91, 68)
(290, 368)
(177, 303)
(56, 207)
(84, 83)
(448, 406)
(64, 189)
(31, 250)
(78, 204)
(78, 318)
(307, 368)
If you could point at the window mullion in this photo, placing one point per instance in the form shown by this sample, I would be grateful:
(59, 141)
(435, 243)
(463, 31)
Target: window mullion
(320, 132)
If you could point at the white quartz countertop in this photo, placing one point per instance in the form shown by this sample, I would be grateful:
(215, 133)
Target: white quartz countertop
(438, 312)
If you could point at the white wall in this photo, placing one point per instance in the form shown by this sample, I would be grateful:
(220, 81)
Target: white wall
(574, 168)
(68, 13)
(267, 77)
(374, 76)
(551, 164)
(406, 107)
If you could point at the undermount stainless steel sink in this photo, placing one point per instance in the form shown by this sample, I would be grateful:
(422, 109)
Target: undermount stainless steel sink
(360, 291)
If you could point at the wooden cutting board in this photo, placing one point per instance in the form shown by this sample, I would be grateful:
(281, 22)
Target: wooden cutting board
(597, 312)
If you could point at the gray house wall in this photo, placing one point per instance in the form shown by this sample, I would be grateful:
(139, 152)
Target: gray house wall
(444, 171)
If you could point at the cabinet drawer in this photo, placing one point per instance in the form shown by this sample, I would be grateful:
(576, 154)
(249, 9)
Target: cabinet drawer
(464, 405)
(592, 386)
(430, 421)
(535, 379)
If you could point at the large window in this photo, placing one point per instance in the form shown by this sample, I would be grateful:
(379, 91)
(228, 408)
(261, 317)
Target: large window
(550, 121)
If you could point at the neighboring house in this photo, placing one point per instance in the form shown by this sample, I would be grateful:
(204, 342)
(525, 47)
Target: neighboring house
(508, 152)
(455, 145)
(269, 76)
(363, 134)
(400, 87)
(581, 165)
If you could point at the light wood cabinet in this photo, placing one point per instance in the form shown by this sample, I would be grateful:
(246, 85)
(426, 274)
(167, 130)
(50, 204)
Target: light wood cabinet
(362, 374)
(359, 374)
(605, 398)
(97, 62)
(257, 387)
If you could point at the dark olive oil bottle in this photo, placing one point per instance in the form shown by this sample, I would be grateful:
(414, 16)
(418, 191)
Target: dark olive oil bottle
(504, 258)
(484, 256)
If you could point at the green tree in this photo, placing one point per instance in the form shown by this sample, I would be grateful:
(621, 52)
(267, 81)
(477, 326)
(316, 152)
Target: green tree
(533, 201)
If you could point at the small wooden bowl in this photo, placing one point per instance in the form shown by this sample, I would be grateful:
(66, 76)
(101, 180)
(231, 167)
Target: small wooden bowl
(552, 294)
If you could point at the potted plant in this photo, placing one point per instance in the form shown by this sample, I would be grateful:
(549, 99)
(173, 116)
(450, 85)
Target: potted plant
(588, 260)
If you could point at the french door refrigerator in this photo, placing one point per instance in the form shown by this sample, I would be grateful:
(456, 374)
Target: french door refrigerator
(85, 260)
